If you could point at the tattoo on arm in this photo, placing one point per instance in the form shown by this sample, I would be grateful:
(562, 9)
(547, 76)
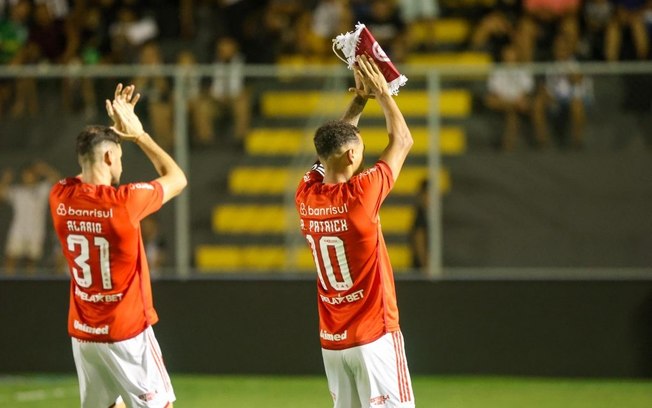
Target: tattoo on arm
(352, 114)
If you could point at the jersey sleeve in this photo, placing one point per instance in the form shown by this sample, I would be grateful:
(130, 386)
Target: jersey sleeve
(314, 175)
(142, 199)
(373, 185)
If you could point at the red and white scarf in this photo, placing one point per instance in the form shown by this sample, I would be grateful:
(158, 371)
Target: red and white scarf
(361, 42)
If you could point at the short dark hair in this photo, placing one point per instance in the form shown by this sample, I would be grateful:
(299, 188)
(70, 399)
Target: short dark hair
(332, 135)
(91, 136)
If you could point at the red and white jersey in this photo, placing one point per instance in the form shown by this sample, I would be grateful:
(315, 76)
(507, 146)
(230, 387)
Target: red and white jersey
(99, 230)
(356, 294)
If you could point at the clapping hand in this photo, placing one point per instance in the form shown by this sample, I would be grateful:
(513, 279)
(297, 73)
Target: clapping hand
(361, 88)
(121, 110)
(369, 76)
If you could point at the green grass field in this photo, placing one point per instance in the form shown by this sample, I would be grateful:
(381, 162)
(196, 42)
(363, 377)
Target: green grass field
(288, 392)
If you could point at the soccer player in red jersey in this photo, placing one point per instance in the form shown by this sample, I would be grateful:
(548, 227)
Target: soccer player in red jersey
(338, 203)
(98, 224)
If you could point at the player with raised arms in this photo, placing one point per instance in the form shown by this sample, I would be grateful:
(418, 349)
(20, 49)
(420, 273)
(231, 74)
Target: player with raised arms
(338, 203)
(98, 224)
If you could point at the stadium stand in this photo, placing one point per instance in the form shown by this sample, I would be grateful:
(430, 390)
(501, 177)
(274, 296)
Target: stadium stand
(262, 228)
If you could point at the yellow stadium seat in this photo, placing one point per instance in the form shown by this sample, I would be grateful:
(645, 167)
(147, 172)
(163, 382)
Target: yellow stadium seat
(450, 58)
(218, 256)
(452, 103)
(411, 178)
(266, 258)
(288, 141)
(263, 180)
(441, 31)
(299, 60)
(451, 30)
(251, 219)
(279, 180)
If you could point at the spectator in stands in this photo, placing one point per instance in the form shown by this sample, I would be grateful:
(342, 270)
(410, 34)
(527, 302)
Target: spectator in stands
(418, 10)
(200, 105)
(545, 19)
(423, 13)
(58, 9)
(509, 93)
(55, 38)
(384, 21)
(596, 18)
(328, 19)
(277, 28)
(563, 98)
(29, 201)
(228, 90)
(14, 32)
(130, 31)
(265, 36)
(419, 230)
(156, 95)
(94, 45)
(155, 245)
(627, 14)
(497, 27)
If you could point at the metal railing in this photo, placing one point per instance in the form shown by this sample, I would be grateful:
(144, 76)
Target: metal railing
(434, 77)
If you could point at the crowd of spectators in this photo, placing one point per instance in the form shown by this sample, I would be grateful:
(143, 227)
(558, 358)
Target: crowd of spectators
(235, 32)
(232, 33)
(564, 32)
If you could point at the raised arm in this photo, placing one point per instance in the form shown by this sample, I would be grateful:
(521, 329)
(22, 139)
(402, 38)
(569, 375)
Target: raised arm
(128, 127)
(362, 94)
(400, 138)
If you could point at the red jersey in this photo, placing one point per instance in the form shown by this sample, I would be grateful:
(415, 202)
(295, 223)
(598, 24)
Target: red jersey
(99, 231)
(356, 295)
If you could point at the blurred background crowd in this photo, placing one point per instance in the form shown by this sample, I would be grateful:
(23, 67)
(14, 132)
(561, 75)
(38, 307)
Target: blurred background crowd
(235, 32)
(554, 107)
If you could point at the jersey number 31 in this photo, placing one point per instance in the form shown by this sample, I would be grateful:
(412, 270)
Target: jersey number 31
(82, 273)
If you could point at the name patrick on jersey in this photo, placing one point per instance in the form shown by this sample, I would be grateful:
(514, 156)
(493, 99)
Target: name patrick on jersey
(324, 226)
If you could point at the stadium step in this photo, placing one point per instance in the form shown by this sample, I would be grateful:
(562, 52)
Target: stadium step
(291, 141)
(275, 219)
(263, 180)
(453, 103)
(265, 258)
(451, 58)
(440, 31)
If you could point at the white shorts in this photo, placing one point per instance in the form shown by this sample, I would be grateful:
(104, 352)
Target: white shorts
(24, 245)
(131, 368)
(372, 375)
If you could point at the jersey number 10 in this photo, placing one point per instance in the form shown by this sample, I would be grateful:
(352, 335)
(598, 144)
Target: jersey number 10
(82, 274)
(323, 251)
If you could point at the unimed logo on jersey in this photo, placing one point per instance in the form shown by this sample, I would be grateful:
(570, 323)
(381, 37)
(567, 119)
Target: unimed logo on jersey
(63, 211)
(333, 336)
(83, 327)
